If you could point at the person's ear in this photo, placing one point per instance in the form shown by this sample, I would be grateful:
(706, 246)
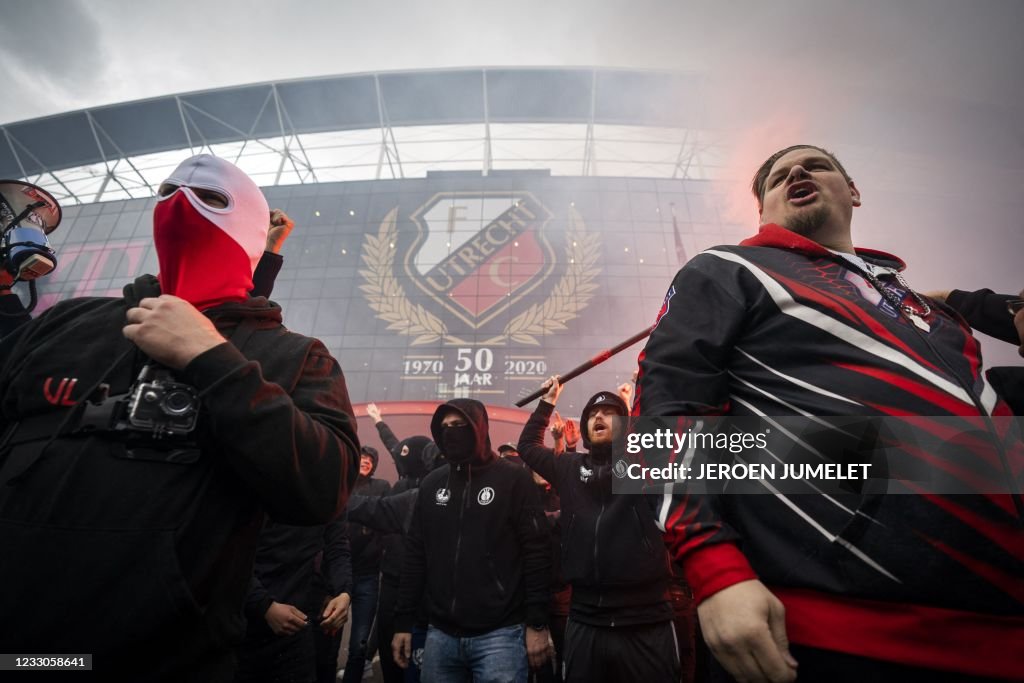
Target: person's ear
(854, 194)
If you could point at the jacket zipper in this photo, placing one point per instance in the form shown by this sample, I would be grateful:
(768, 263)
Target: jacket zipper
(458, 545)
(497, 581)
(643, 533)
(597, 564)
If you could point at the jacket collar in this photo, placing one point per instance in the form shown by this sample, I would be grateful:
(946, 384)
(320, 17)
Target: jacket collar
(778, 237)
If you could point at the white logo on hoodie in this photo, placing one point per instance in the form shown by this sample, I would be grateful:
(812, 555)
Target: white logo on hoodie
(486, 496)
(585, 474)
(442, 496)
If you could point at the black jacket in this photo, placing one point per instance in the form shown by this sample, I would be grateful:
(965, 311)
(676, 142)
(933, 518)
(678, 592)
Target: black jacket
(612, 551)
(12, 313)
(298, 565)
(986, 311)
(478, 545)
(159, 538)
(365, 541)
(421, 456)
(390, 515)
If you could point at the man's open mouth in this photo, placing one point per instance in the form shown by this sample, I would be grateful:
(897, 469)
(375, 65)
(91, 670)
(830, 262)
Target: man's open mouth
(802, 193)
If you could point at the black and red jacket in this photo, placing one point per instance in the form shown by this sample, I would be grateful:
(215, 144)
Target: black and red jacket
(159, 536)
(780, 326)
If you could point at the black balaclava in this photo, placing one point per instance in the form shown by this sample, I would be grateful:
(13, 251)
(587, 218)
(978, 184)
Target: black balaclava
(470, 443)
(413, 464)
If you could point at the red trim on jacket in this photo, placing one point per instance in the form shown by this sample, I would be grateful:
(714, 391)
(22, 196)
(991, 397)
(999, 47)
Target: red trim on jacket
(772, 235)
(711, 568)
(915, 635)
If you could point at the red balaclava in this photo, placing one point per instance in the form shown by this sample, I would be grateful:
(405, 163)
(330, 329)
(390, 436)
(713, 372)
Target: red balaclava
(207, 254)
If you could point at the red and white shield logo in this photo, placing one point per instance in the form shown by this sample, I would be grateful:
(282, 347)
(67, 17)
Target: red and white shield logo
(479, 253)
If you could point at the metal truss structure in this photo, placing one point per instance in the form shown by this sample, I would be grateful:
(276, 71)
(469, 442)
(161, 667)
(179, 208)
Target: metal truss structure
(580, 122)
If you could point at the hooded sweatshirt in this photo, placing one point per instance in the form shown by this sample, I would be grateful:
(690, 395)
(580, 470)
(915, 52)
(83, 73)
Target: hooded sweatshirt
(162, 534)
(365, 541)
(478, 545)
(612, 552)
(392, 514)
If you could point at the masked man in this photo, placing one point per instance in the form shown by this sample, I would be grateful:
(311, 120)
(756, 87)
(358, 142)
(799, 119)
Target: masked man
(478, 551)
(145, 437)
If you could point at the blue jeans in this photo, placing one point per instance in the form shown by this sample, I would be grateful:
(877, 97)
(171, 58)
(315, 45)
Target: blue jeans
(495, 657)
(361, 612)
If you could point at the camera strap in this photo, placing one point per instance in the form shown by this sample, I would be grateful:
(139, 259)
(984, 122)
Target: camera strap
(90, 417)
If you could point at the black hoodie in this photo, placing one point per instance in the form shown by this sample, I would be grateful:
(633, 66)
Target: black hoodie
(478, 545)
(612, 552)
(159, 540)
(366, 543)
(392, 514)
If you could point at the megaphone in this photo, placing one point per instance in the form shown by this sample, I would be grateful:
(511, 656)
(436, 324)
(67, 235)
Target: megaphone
(28, 214)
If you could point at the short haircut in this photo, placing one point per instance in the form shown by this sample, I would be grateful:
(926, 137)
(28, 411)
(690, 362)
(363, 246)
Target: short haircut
(761, 177)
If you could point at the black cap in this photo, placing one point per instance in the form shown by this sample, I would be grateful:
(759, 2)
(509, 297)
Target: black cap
(602, 398)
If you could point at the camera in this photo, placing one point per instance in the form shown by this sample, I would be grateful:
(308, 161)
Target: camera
(27, 215)
(160, 405)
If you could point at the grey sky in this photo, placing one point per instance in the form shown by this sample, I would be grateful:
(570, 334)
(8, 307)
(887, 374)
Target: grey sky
(57, 55)
(923, 99)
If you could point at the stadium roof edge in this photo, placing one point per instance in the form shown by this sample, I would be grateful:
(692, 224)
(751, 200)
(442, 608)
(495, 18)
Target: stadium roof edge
(574, 94)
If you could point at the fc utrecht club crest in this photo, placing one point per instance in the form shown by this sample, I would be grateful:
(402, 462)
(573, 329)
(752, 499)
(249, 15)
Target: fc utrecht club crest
(479, 264)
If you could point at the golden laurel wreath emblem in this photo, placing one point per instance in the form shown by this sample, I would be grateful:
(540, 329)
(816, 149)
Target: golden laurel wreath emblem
(568, 298)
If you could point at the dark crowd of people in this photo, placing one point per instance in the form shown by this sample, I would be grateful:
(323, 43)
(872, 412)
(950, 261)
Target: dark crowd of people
(183, 494)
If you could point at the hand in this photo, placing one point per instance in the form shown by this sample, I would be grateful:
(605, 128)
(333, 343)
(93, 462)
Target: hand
(938, 295)
(280, 227)
(557, 425)
(285, 620)
(539, 647)
(572, 433)
(554, 388)
(626, 393)
(401, 649)
(745, 627)
(335, 614)
(374, 412)
(170, 330)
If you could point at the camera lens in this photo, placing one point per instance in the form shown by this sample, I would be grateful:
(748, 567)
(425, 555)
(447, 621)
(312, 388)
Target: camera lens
(178, 402)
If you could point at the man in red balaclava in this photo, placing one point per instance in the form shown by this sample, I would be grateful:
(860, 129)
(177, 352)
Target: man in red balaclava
(209, 227)
(145, 438)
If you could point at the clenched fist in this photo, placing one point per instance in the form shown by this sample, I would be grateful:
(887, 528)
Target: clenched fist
(170, 330)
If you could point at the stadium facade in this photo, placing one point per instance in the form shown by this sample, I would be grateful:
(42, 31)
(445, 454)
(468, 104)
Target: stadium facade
(459, 232)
